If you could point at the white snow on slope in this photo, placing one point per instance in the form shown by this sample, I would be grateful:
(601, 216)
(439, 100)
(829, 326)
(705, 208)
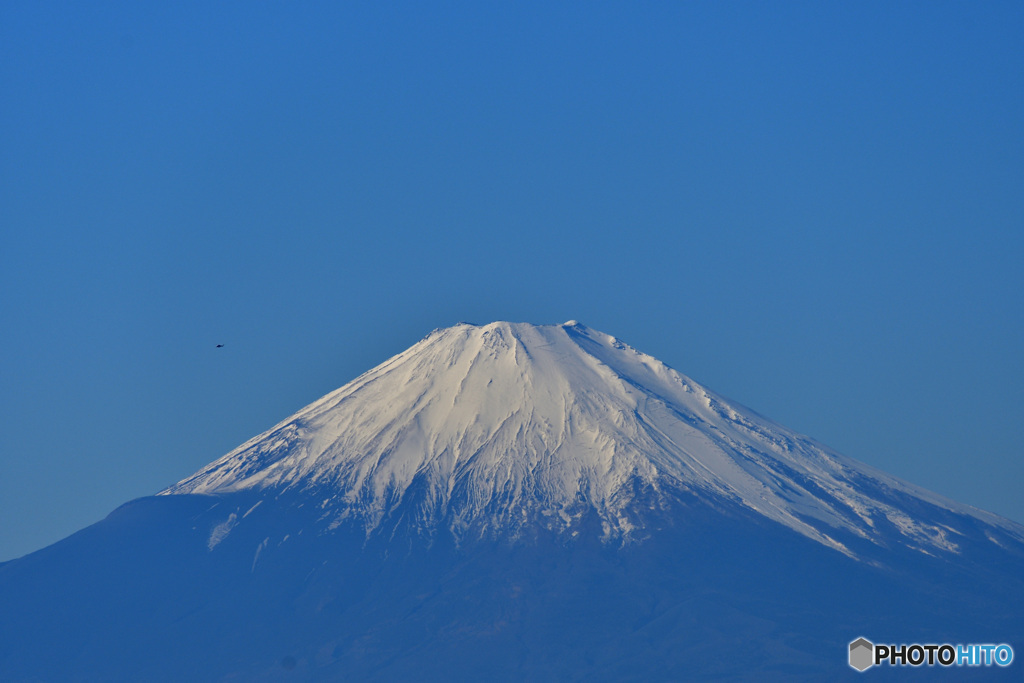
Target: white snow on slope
(503, 421)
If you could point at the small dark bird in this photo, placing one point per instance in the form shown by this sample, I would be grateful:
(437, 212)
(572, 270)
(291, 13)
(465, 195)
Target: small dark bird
(220, 346)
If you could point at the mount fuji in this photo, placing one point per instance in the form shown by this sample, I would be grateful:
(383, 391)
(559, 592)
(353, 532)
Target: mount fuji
(516, 502)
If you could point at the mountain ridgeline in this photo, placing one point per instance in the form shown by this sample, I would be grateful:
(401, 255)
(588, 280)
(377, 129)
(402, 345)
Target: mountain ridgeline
(515, 502)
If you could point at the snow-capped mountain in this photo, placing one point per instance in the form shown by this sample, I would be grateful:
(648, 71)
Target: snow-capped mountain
(490, 428)
(515, 502)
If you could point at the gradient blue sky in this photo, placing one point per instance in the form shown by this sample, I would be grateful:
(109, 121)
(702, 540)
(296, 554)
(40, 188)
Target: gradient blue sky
(812, 208)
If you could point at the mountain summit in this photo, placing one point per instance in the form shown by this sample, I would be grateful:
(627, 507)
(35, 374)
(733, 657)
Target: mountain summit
(516, 502)
(490, 429)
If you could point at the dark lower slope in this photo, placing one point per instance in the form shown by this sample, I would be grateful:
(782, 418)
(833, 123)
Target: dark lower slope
(717, 594)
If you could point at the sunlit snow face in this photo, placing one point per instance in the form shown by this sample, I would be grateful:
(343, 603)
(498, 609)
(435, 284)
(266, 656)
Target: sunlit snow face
(504, 424)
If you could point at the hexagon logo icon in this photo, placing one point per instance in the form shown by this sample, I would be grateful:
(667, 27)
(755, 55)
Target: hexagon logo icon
(862, 654)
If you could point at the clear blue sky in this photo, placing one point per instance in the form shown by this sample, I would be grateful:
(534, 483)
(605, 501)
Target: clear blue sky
(816, 209)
